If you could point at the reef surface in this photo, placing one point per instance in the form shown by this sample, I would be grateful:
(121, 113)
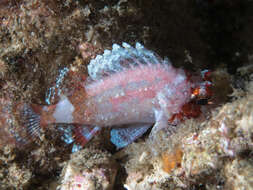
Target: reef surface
(39, 38)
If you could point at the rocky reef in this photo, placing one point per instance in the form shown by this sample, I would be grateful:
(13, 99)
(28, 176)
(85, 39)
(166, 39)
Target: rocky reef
(214, 151)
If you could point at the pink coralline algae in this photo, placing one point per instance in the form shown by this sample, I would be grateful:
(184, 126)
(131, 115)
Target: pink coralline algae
(128, 89)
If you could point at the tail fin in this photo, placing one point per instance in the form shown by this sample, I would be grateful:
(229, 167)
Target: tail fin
(27, 129)
(19, 124)
(31, 121)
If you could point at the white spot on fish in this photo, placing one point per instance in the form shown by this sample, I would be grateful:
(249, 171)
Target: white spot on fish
(63, 111)
(179, 79)
(45, 108)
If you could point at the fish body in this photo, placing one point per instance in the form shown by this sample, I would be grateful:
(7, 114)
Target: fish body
(129, 89)
(134, 96)
(145, 93)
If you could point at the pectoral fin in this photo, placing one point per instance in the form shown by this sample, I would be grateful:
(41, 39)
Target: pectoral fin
(121, 137)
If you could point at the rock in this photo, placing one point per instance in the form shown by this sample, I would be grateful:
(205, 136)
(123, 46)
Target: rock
(89, 169)
(239, 174)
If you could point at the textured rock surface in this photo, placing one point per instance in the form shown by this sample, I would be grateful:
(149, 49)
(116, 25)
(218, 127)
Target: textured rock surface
(223, 143)
(239, 174)
(39, 37)
(89, 169)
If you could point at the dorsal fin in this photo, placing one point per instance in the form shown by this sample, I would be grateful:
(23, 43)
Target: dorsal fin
(54, 92)
(120, 58)
(66, 83)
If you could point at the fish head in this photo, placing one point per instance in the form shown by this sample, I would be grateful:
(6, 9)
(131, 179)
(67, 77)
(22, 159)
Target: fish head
(201, 92)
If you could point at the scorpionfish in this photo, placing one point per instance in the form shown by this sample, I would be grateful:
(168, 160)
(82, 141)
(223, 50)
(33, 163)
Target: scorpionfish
(129, 89)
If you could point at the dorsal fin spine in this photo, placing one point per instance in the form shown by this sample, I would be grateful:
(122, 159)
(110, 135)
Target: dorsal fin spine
(120, 58)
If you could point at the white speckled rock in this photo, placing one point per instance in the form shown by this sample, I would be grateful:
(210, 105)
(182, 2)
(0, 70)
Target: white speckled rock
(89, 169)
(239, 175)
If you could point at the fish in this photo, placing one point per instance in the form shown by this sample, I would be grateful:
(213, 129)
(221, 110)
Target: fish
(129, 90)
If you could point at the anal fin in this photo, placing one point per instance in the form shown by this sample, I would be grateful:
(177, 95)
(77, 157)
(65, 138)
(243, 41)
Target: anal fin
(78, 135)
(84, 134)
(121, 137)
